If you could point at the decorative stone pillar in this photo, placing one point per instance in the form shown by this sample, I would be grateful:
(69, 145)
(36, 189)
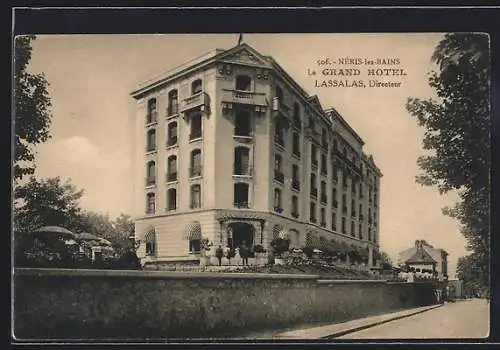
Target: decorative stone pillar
(370, 256)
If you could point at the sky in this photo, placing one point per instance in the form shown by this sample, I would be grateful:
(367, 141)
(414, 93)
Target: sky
(91, 78)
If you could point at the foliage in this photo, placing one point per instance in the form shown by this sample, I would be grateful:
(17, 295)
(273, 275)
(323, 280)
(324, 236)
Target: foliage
(457, 136)
(280, 245)
(473, 274)
(32, 109)
(385, 259)
(308, 251)
(258, 249)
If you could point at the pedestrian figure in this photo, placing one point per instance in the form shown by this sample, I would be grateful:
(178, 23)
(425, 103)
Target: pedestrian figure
(219, 253)
(244, 253)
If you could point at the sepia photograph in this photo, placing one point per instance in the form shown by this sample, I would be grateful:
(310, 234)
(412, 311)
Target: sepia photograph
(252, 187)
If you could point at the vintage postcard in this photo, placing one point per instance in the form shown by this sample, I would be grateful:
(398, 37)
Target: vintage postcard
(197, 187)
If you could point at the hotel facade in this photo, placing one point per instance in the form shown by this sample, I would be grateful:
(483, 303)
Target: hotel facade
(230, 148)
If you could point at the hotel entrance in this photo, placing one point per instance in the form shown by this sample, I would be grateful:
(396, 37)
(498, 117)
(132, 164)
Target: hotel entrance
(239, 232)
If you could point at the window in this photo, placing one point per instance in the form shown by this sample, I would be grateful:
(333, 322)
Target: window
(172, 134)
(279, 133)
(243, 83)
(150, 203)
(151, 116)
(361, 190)
(241, 161)
(369, 234)
(324, 140)
(353, 208)
(195, 196)
(241, 195)
(242, 123)
(278, 173)
(296, 144)
(311, 123)
(323, 192)
(151, 142)
(173, 103)
(314, 154)
(295, 177)
(335, 174)
(295, 206)
(279, 94)
(194, 245)
(369, 215)
(323, 217)
(343, 225)
(335, 145)
(312, 212)
(353, 233)
(323, 164)
(334, 198)
(344, 151)
(151, 173)
(334, 222)
(344, 180)
(314, 189)
(344, 203)
(353, 187)
(277, 200)
(171, 199)
(195, 125)
(360, 231)
(361, 211)
(150, 243)
(195, 169)
(296, 116)
(172, 168)
(196, 87)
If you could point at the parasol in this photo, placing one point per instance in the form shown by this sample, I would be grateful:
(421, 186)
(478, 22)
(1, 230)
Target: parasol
(54, 230)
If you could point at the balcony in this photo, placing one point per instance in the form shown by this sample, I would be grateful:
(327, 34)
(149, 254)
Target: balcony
(150, 181)
(324, 171)
(278, 139)
(243, 135)
(172, 141)
(195, 171)
(296, 154)
(239, 170)
(151, 117)
(324, 199)
(334, 228)
(314, 163)
(296, 185)
(353, 213)
(314, 192)
(172, 206)
(344, 209)
(241, 204)
(313, 220)
(195, 135)
(200, 101)
(278, 209)
(295, 215)
(279, 176)
(240, 97)
(335, 203)
(323, 224)
(172, 177)
(172, 110)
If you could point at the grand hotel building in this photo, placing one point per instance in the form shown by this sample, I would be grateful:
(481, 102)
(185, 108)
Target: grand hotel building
(229, 147)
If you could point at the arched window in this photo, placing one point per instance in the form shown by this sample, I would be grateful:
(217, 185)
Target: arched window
(242, 123)
(196, 86)
(195, 126)
(172, 134)
(171, 199)
(195, 196)
(151, 116)
(151, 142)
(172, 168)
(151, 173)
(241, 160)
(150, 243)
(243, 83)
(241, 195)
(150, 203)
(196, 168)
(173, 103)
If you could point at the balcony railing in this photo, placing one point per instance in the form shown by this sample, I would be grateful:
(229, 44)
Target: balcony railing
(279, 176)
(296, 185)
(296, 154)
(199, 100)
(314, 163)
(195, 171)
(296, 123)
(335, 203)
(172, 141)
(353, 213)
(150, 148)
(195, 135)
(323, 198)
(278, 209)
(242, 171)
(334, 228)
(244, 97)
(295, 215)
(323, 224)
(324, 171)
(344, 209)
(151, 117)
(241, 204)
(313, 220)
(172, 177)
(243, 133)
(361, 217)
(278, 139)
(150, 181)
(314, 192)
(172, 206)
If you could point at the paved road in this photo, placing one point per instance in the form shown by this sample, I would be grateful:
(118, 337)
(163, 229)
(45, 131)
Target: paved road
(462, 319)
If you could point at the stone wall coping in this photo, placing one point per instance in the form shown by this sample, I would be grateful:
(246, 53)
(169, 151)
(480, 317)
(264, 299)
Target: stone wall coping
(325, 281)
(158, 274)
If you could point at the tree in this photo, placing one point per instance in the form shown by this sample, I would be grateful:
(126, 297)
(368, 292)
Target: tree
(457, 137)
(32, 109)
(47, 202)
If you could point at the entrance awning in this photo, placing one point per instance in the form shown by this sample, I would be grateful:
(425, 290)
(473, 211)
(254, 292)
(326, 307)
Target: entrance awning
(147, 232)
(192, 231)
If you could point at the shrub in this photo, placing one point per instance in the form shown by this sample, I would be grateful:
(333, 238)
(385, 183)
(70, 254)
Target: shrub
(258, 249)
(308, 251)
(280, 245)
